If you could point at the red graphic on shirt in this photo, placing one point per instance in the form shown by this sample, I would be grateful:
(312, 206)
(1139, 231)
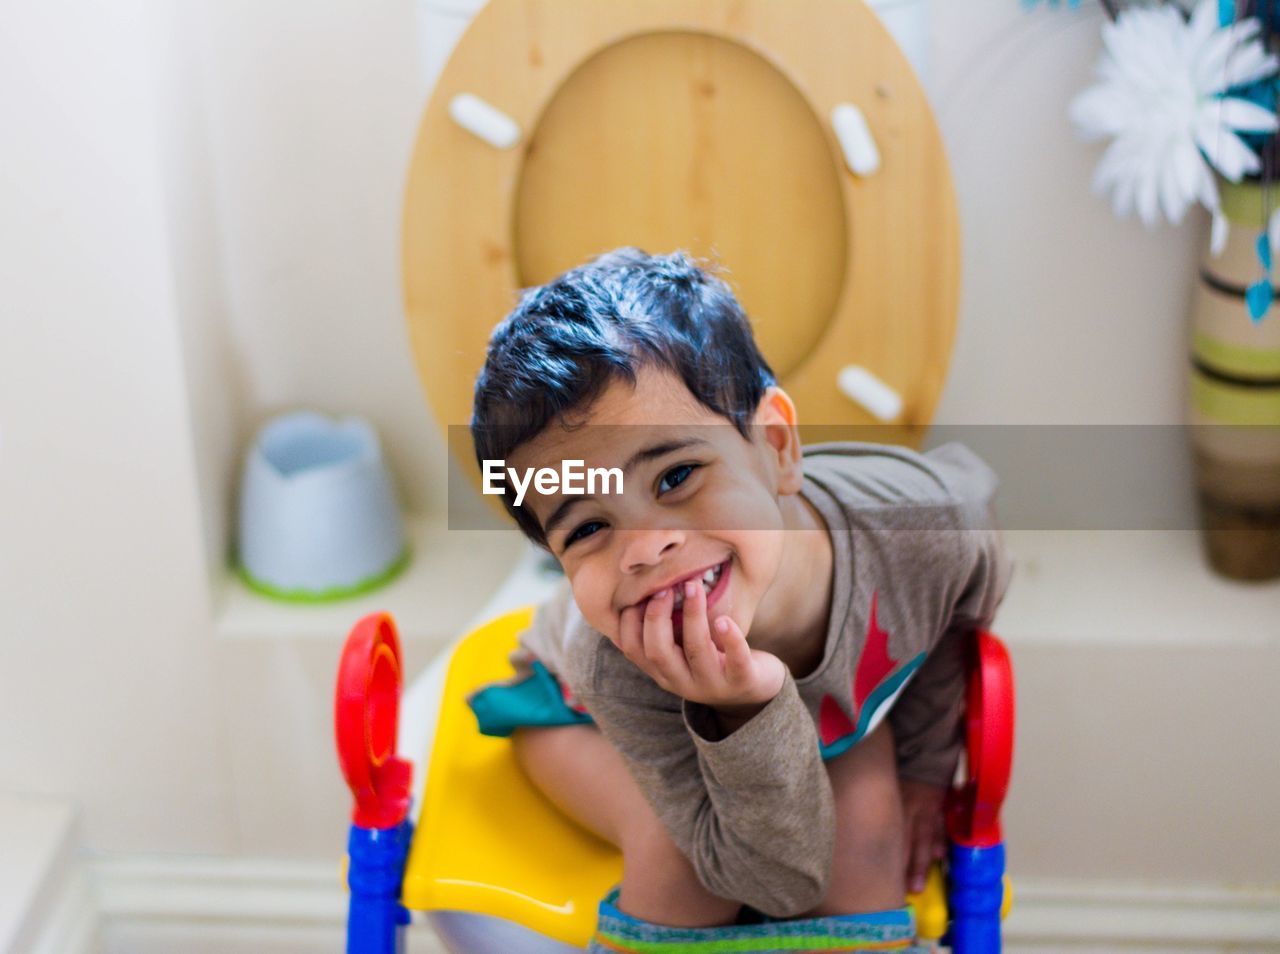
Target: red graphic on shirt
(874, 665)
(833, 724)
(569, 701)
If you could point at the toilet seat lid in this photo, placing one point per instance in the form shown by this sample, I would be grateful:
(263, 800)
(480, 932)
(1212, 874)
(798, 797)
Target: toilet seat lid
(704, 126)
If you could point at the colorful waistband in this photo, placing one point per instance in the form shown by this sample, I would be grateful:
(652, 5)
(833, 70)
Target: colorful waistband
(879, 931)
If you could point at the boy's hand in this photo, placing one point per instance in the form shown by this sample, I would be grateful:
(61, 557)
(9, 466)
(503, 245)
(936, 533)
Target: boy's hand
(925, 828)
(717, 670)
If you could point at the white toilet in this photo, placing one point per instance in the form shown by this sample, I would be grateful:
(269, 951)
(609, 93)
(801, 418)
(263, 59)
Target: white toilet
(790, 142)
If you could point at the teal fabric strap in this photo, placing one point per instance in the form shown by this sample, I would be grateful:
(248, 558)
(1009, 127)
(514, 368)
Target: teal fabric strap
(536, 700)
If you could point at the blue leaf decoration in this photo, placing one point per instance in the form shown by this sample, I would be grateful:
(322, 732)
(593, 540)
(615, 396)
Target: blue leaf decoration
(1263, 245)
(1258, 298)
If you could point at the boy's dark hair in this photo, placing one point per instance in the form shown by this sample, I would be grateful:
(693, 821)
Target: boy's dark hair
(565, 341)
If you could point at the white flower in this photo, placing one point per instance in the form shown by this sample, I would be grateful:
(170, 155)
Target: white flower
(1161, 94)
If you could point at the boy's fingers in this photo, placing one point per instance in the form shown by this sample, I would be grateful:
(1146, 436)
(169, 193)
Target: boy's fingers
(938, 839)
(698, 650)
(630, 635)
(717, 639)
(665, 659)
(921, 849)
(737, 663)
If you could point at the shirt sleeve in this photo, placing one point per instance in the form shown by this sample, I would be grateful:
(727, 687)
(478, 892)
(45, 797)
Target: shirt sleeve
(752, 811)
(928, 718)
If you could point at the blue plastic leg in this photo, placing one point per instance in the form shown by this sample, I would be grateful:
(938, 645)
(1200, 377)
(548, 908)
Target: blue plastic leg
(375, 919)
(977, 890)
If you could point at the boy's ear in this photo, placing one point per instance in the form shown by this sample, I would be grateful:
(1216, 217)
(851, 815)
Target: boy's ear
(777, 420)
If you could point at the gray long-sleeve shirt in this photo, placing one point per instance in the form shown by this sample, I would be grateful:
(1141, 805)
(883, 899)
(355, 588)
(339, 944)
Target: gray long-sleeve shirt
(918, 565)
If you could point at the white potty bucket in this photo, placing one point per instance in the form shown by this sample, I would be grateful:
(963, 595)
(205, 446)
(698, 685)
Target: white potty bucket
(318, 513)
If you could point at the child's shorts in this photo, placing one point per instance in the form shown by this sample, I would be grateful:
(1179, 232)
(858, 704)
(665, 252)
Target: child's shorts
(536, 700)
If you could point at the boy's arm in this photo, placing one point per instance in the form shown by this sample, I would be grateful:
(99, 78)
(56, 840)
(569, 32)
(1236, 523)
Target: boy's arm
(752, 810)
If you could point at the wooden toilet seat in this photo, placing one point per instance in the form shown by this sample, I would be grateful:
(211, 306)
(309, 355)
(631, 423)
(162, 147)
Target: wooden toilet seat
(697, 124)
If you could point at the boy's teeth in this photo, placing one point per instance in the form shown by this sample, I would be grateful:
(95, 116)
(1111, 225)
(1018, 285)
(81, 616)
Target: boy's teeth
(709, 580)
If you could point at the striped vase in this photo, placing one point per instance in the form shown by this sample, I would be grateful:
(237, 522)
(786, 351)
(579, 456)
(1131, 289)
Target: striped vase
(1235, 399)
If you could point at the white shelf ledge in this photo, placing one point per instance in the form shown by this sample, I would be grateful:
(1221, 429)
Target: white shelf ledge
(1102, 587)
(1130, 588)
(1112, 588)
(451, 575)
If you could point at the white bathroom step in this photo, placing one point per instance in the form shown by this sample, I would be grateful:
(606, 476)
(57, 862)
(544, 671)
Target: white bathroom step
(38, 884)
(261, 906)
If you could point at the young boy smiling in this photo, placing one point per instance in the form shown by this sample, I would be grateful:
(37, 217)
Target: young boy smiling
(752, 682)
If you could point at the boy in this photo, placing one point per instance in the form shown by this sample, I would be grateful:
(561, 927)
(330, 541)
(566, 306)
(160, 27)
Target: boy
(752, 682)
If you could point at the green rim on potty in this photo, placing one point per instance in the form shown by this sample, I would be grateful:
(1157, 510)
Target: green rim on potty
(318, 517)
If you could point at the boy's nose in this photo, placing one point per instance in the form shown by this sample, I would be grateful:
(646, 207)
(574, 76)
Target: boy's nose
(644, 548)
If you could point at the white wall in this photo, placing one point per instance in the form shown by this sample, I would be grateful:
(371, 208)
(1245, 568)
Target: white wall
(312, 111)
(200, 219)
(106, 684)
(1068, 316)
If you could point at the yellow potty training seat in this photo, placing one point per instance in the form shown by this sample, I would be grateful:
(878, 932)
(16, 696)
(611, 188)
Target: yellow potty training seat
(487, 841)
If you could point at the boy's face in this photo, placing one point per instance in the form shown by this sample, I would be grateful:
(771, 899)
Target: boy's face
(700, 500)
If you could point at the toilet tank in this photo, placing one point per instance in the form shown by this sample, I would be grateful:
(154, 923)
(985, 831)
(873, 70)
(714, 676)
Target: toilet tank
(442, 22)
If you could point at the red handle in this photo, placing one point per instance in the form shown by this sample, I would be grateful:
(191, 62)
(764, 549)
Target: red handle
(974, 815)
(366, 710)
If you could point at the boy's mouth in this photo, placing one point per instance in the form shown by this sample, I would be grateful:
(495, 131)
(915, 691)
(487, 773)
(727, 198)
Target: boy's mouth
(714, 581)
(709, 580)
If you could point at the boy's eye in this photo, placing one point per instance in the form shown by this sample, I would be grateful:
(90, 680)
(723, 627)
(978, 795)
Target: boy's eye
(582, 532)
(676, 476)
